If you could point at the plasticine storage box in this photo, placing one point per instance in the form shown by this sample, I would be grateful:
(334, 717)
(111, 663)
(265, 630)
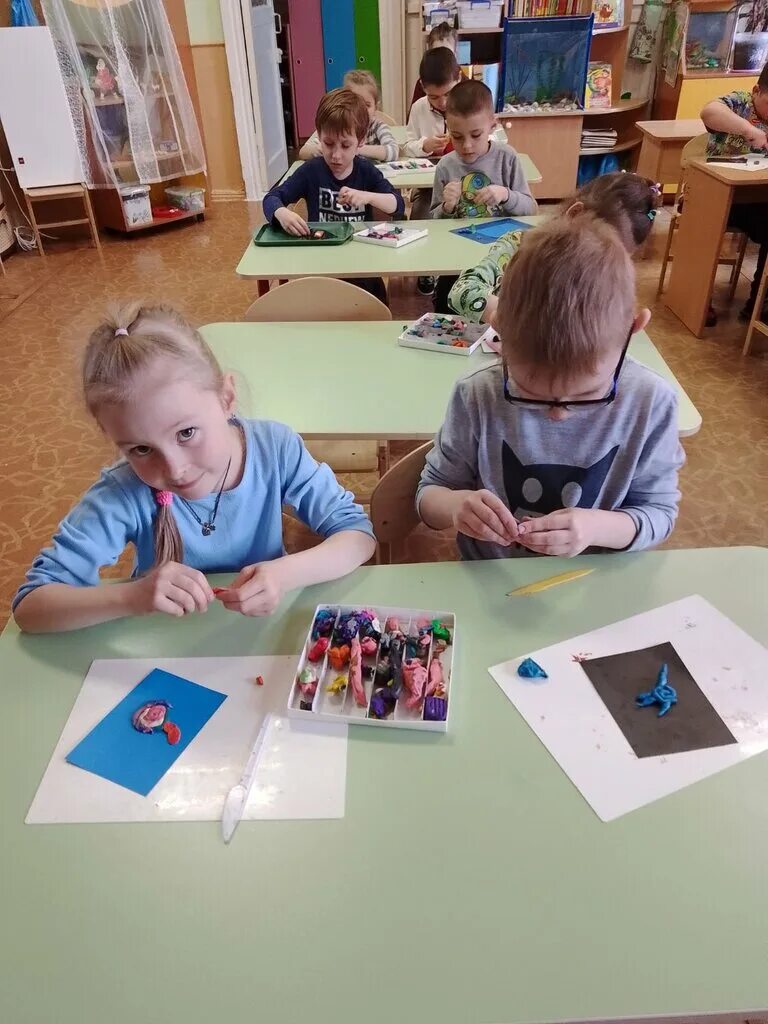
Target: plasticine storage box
(418, 696)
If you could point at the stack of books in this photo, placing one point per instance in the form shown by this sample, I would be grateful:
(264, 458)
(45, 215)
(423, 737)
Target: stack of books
(599, 139)
(545, 8)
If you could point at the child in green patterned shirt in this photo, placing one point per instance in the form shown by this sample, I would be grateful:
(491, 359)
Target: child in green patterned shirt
(626, 201)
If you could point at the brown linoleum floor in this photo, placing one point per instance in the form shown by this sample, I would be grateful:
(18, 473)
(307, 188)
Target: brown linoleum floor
(51, 451)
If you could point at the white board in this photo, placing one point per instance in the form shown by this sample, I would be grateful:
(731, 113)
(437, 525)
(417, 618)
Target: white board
(302, 772)
(34, 110)
(570, 719)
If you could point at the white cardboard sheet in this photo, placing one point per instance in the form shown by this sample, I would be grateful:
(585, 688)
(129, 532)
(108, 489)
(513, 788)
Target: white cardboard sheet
(302, 773)
(570, 719)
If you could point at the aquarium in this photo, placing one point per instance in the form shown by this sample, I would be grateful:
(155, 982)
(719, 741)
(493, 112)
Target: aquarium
(544, 64)
(708, 40)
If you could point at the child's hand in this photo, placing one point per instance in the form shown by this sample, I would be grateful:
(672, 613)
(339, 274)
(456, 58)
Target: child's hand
(451, 196)
(352, 197)
(256, 590)
(756, 138)
(492, 195)
(291, 222)
(172, 588)
(566, 532)
(484, 516)
(435, 144)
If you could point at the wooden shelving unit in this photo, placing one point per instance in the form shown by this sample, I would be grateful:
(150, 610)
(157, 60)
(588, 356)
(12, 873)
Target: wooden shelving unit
(620, 147)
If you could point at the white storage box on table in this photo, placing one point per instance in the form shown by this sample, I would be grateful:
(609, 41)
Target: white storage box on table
(480, 13)
(393, 236)
(440, 332)
(385, 695)
(186, 198)
(136, 205)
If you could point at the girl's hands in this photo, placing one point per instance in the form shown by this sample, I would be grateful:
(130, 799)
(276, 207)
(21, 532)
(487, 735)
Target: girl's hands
(256, 590)
(171, 588)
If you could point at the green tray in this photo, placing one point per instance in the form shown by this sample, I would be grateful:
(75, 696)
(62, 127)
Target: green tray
(341, 231)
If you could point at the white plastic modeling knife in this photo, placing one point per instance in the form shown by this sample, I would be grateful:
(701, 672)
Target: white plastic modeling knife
(237, 797)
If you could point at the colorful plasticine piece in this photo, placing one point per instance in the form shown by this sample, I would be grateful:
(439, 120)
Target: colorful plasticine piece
(318, 649)
(356, 674)
(436, 683)
(368, 646)
(150, 716)
(435, 709)
(347, 627)
(529, 669)
(307, 682)
(153, 716)
(338, 685)
(415, 680)
(662, 694)
(440, 632)
(382, 703)
(396, 661)
(323, 624)
(339, 657)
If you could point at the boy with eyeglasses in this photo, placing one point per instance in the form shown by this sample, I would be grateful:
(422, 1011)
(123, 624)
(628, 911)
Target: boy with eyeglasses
(567, 444)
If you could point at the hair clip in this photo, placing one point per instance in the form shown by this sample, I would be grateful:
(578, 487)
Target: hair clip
(651, 215)
(164, 497)
(121, 330)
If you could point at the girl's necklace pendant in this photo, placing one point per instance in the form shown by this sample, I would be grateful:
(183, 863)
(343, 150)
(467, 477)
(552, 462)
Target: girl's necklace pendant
(208, 529)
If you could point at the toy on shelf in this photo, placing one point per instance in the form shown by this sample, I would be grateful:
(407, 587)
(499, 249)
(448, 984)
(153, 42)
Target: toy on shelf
(392, 235)
(438, 332)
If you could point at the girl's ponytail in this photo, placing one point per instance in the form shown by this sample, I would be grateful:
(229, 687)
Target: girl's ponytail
(168, 544)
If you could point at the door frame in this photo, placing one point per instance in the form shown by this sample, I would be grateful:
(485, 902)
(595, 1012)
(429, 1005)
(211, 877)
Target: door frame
(239, 47)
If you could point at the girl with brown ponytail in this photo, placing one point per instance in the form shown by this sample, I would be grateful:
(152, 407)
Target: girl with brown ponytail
(197, 490)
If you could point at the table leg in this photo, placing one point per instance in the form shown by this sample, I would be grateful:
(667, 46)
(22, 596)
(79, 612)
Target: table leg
(697, 247)
(262, 286)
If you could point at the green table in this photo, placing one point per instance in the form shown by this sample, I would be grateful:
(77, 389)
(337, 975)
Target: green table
(426, 178)
(293, 371)
(441, 252)
(469, 880)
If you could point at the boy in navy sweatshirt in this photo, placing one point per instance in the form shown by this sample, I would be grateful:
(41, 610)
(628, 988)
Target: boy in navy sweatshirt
(339, 185)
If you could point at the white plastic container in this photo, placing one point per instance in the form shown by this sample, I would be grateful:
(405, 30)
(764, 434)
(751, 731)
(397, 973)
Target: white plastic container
(136, 205)
(438, 13)
(186, 198)
(327, 706)
(480, 13)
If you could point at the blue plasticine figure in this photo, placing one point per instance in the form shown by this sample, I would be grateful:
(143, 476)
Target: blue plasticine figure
(662, 694)
(529, 669)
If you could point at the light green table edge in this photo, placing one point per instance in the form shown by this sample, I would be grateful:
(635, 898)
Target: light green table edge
(513, 901)
(323, 335)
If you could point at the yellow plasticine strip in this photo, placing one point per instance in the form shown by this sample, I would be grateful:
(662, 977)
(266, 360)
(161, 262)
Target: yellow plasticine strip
(550, 581)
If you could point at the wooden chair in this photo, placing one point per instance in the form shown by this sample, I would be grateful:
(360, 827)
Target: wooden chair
(757, 323)
(316, 298)
(327, 298)
(696, 148)
(42, 195)
(393, 502)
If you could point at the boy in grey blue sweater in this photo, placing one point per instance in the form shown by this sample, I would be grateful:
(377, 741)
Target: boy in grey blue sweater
(479, 177)
(567, 444)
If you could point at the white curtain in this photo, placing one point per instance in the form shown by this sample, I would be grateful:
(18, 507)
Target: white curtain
(129, 99)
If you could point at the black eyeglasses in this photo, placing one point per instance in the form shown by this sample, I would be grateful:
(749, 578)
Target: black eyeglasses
(577, 403)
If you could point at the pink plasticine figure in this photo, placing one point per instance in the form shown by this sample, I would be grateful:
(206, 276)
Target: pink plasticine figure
(436, 684)
(415, 679)
(356, 674)
(368, 646)
(393, 624)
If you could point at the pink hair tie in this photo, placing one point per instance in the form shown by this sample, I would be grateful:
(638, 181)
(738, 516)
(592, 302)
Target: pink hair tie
(163, 497)
(121, 330)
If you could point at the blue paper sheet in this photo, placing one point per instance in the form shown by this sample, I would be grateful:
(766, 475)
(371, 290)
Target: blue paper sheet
(135, 760)
(490, 230)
